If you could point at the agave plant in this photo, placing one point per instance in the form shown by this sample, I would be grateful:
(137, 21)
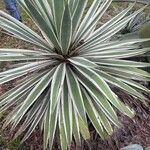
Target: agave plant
(67, 81)
(136, 24)
(138, 1)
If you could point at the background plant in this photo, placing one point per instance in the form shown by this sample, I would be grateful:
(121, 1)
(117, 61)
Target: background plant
(68, 78)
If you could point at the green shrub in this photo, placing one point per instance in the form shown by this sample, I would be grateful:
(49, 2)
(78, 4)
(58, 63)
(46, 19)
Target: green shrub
(67, 79)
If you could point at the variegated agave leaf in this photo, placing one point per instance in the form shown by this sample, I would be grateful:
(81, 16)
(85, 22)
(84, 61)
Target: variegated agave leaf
(67, 79)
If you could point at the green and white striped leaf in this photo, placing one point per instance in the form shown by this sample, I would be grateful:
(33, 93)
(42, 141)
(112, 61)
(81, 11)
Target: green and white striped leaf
(33, 113)
(58, 15)
(134, 84)
(121, 63)
(132, 73)
(67, 111)
(75, 93)
(92, 10)
(100, 84)
(83, 128)
(73, 5)
(56, 85)
(46, 29)
(105, 122)
(78, 13)
(121, 85)
(91, 24)
(17, 57)
(117, 54)
(112, 31)
(80, 61)
(21, 51)
(62, 130)
(37, 118)
(21, 31)
(50, 122)
(25, 68)
(20, 83)
(102, 103)
(110, 45)
(120, 73)
(94, 117)
(104, 28)
(44, 9)
(76, 129)
(34, 94)
(21, 89)
(16, 99)
(66, 30)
